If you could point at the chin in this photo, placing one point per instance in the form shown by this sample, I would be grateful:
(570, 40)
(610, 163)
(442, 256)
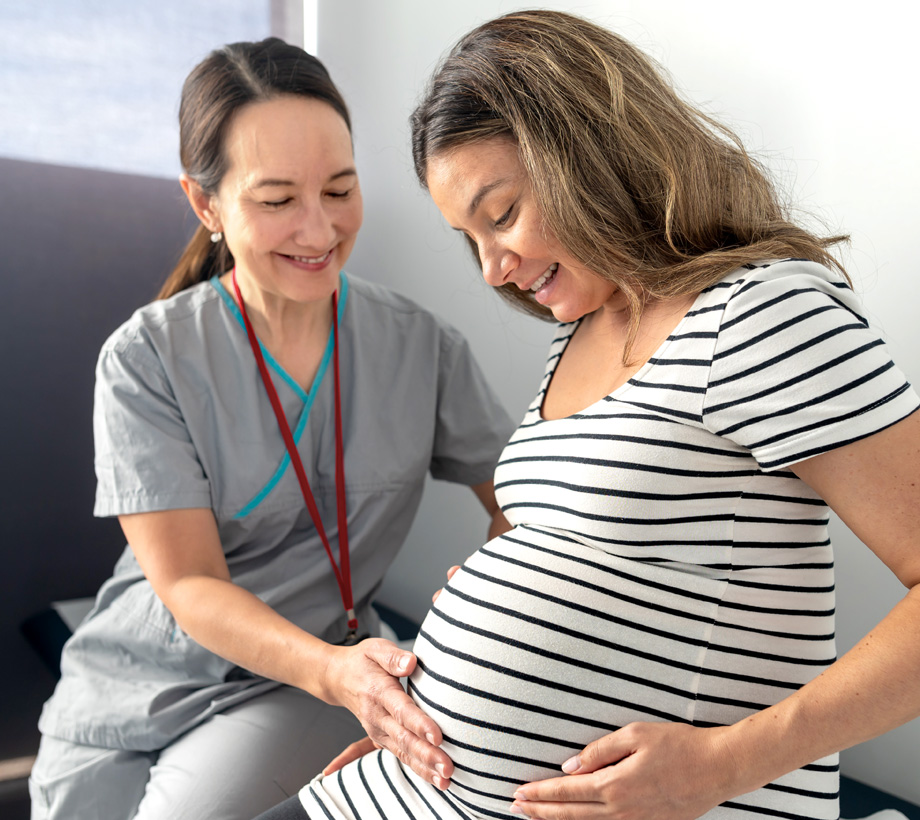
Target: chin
(565, 314)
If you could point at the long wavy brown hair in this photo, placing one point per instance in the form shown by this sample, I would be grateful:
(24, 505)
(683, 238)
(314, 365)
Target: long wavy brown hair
(219, 86)
(634, 182)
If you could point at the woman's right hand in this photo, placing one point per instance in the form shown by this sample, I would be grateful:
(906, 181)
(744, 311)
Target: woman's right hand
(365, 680)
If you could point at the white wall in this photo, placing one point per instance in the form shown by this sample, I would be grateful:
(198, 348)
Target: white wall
(826, 96)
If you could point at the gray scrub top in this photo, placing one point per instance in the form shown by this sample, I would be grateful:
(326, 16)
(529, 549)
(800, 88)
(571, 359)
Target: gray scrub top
(182, 420)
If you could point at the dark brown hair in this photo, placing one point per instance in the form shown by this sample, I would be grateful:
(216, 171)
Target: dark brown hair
(635, 183)
(219, 86)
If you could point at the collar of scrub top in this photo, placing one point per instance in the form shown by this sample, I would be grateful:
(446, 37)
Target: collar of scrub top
(307, 397)
(342, 570)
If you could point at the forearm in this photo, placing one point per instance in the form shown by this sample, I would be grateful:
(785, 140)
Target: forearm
(870, 690)
(235, 624)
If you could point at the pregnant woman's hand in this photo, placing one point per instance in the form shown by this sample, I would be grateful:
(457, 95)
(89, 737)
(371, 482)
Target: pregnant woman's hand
(365, 679)
(665, 771)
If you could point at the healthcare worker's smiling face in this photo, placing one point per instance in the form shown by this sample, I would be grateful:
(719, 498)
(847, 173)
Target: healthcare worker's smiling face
(482, 189)
(289, 204)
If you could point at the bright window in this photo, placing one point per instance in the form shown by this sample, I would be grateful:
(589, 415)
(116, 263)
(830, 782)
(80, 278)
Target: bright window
(96, 83)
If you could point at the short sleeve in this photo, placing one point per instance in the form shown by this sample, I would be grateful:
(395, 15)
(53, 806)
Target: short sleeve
(797, 370)
(472, 427)
(145, 458)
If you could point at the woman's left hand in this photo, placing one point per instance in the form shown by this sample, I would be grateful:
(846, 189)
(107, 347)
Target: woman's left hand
(659, 771)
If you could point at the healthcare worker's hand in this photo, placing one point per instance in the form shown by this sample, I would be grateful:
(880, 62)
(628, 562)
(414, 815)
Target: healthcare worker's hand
(349, 754)
(365, 680)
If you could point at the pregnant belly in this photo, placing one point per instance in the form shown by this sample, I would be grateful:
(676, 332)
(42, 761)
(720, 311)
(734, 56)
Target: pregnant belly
(538, 646)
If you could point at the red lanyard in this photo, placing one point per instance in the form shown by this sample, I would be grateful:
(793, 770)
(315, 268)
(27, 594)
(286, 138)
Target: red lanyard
(343, 575)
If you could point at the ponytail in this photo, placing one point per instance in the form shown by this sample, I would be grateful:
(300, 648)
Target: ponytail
(200, 260)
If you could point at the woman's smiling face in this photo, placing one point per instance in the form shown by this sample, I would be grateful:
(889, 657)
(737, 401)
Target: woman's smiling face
(482, 189)
(289, 204)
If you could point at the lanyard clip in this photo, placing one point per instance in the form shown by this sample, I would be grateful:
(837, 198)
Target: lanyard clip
(352, 636)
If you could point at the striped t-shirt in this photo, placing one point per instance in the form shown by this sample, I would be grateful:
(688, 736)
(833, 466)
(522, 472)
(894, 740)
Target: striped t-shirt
(665, 564)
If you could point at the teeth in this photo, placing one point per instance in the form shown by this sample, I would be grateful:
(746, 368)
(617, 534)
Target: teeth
(545, 277)
(311, 260)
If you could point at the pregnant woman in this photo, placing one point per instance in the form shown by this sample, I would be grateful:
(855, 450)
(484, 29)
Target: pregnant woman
(659, 623)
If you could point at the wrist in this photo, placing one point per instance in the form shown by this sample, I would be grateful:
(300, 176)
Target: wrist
(758, 750)
(325, 681)
(730, 773)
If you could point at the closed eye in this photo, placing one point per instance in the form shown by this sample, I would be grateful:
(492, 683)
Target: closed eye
(277, 203)
(504, 218)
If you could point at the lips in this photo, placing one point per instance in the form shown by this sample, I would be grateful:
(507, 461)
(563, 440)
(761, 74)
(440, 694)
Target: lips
(547, 276)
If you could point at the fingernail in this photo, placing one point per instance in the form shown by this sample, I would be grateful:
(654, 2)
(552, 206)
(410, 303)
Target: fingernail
(441, 769)
(516, 809)
(573, 764)
(430, 738)
(519, 795)
(442, 784)
(403, 663)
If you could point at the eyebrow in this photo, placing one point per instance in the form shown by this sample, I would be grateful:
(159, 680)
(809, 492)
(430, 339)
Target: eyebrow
(481, 193)
(275, 183)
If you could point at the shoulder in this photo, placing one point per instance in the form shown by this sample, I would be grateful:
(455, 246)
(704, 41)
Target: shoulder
(775, 302)
(770, 285)
(774, 310)
(371, 296)
(156, 324)
(378, 309)
(796, 368)
(166, 340)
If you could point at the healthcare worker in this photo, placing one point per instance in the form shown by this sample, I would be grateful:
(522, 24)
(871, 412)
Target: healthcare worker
(263, 433)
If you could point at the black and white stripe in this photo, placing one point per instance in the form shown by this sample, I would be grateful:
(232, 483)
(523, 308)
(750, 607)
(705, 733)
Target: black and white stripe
(665, 564)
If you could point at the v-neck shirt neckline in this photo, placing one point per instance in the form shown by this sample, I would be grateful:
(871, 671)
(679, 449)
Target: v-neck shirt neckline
(306, 396)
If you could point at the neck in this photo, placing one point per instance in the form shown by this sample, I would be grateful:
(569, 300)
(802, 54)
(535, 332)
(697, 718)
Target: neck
(609, 322)
(658, 319)
(280, 323)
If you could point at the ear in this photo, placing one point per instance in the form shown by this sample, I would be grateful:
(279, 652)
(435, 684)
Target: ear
(204, 205)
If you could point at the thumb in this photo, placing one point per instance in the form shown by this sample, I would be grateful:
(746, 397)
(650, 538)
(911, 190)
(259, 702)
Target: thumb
(394, 660)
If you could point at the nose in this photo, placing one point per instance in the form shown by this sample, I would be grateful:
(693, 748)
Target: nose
(315, 229)
(498, 264)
